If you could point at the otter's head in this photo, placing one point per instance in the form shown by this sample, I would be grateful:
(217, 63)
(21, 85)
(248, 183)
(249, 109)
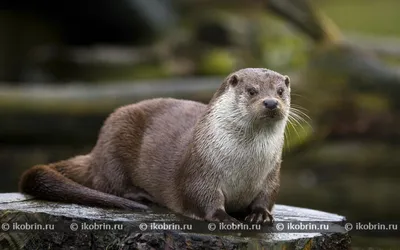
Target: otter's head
(258, 94)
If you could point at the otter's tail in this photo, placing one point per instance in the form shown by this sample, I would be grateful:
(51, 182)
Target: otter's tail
(50, 182)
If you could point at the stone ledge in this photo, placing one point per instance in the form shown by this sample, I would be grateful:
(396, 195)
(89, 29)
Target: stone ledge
(18, 208)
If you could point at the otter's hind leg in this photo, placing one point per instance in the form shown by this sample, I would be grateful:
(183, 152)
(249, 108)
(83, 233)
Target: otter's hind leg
(62, 181)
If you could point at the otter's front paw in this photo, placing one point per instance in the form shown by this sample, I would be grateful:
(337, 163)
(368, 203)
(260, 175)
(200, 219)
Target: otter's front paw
(221, 216)
(260, 216)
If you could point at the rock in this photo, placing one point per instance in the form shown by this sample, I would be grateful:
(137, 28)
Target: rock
(69, 226)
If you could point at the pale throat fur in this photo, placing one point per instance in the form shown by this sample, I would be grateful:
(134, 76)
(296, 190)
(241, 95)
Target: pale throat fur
(243, 158)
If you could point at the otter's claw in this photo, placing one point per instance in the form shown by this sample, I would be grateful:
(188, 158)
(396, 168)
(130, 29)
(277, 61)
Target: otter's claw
(221, 215)
(260, 216)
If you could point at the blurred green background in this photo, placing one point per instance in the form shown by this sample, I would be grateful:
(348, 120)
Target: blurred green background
(65, 65)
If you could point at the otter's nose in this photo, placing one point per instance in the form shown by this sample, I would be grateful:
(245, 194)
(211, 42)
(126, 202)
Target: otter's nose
(270, 104)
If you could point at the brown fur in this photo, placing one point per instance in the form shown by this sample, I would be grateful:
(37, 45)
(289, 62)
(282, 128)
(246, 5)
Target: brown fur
(151, 152)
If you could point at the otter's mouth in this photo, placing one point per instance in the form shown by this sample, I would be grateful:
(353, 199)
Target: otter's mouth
(272, 115)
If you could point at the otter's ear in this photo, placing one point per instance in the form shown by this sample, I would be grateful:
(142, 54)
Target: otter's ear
(287, 81)
(233, 80)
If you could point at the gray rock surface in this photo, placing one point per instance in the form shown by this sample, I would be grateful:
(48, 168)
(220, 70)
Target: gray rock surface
(24, 220)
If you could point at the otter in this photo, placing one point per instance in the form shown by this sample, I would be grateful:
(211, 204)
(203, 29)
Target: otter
(215, 162)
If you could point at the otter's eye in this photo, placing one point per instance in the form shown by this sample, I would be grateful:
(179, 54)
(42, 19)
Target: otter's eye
(280, 91)
(251, 91)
